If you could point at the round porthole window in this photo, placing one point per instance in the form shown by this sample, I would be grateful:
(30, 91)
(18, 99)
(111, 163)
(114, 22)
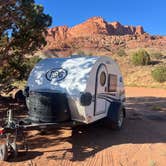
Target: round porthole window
(102, 78)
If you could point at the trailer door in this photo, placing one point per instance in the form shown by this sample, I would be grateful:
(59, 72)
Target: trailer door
(100, 104)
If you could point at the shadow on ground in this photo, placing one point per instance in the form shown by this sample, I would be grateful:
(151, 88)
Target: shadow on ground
(86, 141)
(6, 103)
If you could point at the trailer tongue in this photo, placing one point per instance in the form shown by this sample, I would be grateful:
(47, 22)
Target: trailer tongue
(2, 131)
(13, 131)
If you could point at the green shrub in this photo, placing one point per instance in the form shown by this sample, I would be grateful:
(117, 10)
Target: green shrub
(80, 52)
(159, 74)
(32, 61)
(121, 52)
(90, 54)
(141, 57)
(17, 69)
(156, 55)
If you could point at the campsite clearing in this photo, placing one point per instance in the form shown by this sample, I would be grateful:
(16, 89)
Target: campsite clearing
(142, 141)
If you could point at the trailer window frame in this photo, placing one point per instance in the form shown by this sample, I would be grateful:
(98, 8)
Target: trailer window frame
(112, 83)
(102, 78)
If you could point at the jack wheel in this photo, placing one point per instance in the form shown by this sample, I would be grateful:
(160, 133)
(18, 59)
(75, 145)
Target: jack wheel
(3, 152)
(14, 149)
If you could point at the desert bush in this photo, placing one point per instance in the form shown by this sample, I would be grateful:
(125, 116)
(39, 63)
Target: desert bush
(81, 52)
(30, 63)
(17, 69)
(121, 52)
(90, 54)
(141, 57)
(159, 74)
(156, 55)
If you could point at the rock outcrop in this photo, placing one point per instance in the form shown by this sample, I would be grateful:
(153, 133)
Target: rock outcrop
(96, 35)
(94, 25)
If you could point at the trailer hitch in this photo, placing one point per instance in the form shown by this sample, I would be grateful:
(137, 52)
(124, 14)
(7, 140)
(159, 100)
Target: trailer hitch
(10, 133)
(14, 131)
(2, 131)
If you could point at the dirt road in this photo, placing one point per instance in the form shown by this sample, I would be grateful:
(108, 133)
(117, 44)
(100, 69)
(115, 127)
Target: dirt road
(142, 141)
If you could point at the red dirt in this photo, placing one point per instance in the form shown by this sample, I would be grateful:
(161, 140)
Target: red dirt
(145, 92)
(142, 141)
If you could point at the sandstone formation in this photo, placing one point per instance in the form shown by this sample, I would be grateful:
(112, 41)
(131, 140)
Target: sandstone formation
(96, 34)
(94, 25)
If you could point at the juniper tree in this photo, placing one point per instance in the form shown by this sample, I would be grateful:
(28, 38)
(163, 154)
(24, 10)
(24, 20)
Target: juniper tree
(23, 26)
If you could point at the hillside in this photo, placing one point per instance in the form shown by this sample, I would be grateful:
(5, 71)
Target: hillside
(96, 36)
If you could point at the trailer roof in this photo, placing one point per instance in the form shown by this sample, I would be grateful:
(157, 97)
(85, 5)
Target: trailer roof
(74, 72)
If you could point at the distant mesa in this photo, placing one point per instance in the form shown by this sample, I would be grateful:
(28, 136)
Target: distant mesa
(94, 25)
(97, 35)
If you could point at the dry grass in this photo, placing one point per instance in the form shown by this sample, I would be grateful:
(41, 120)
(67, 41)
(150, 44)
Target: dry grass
(139, 76)
(20, 84)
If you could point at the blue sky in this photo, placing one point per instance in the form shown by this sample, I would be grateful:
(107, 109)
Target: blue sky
(151, 14)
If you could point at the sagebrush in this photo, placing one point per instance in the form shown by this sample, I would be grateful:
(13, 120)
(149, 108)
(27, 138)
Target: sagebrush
(159, 74)
(141, 58)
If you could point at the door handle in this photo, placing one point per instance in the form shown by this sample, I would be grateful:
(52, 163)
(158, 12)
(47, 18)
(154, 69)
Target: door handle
(106, 89)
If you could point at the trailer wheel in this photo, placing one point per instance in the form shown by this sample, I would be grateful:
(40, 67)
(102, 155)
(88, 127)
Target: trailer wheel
(115, 117)
(117, 125)
(3, 152)
(14, 149)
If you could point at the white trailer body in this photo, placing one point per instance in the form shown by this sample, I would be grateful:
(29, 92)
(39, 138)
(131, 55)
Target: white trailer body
(77, 75)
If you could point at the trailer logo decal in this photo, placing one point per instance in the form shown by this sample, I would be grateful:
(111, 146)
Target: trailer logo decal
(56, 74)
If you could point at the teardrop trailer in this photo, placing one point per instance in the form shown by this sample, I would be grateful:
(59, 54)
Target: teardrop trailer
(67, 92)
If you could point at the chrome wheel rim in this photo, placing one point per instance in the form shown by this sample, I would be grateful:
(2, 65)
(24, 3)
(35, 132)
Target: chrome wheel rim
(2, 152)
(120, 121)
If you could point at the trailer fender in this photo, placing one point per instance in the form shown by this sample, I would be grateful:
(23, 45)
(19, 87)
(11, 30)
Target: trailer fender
(114, 110)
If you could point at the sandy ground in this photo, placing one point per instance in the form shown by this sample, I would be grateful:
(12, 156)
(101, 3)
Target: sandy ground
(141, 142)
(145, 92)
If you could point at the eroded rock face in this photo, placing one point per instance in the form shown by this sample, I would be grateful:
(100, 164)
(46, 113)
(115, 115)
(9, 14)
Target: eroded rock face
(96, 35)
(118, 29)
(95, 25)
(58, 32)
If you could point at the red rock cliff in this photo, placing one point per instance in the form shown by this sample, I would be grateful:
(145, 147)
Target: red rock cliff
(94, 25)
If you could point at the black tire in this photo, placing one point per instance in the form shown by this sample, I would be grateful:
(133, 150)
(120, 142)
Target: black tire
(115, 117)
(3, 152)
(117, 125)
(14, 149)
